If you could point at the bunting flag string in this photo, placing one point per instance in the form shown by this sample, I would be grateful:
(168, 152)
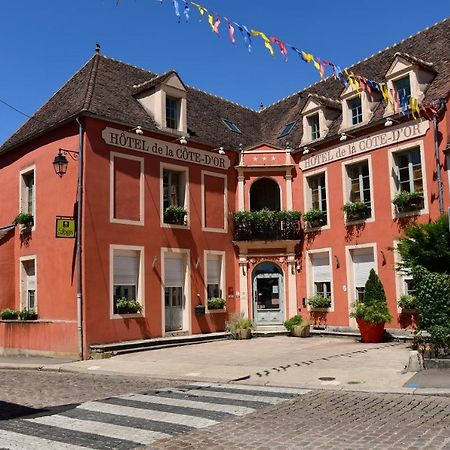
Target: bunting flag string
(358, 83)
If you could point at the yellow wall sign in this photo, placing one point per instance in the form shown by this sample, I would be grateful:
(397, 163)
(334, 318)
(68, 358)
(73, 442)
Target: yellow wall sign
(65, 227)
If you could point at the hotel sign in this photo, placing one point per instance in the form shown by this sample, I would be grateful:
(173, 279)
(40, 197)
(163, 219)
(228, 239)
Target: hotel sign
(377, 140)
(180, 153)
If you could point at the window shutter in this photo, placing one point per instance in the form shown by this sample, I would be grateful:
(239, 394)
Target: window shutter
(126, 268)
(213, 269)
(321, 267)
(174, 269)
(363, 262)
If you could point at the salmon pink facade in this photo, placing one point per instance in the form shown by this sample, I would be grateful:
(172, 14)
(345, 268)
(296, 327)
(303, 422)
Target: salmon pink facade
(190, 205)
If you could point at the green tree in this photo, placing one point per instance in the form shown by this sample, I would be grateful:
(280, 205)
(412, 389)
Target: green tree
(426, 245)
(374, 290)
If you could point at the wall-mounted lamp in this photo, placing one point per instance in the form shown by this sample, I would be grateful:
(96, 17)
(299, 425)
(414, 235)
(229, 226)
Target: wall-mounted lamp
(383, 258)
(182, 140)
(337, 262)
(60, 162)
(154, 262)
(345, 136)
(244, 272)
(306, 150)
(389, 122)
(137, 130)
(219, 150)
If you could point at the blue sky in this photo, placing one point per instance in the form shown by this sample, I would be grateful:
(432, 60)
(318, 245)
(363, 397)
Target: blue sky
(42, 43)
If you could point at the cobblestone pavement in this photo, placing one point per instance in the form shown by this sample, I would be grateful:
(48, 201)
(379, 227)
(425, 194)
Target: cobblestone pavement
(330, 420)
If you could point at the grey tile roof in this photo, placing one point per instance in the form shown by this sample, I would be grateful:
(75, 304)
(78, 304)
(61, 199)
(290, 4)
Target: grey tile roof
(106, 88)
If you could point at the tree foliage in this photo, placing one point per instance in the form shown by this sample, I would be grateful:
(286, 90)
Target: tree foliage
(374, 290)
(426, 245)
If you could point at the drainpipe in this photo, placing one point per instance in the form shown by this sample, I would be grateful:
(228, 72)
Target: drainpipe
(78, 240)
(436, 156)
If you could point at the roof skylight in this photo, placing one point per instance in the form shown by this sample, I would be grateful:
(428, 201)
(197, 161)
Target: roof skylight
(287, 129)
(232, 126)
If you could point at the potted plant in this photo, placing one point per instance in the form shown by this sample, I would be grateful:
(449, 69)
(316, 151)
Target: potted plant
(9, 314)
(407, 302)
(266, 224)
(24, 219)
(28, 314)
(216, 303)
(408, 201)
(314, 217)
(356, 211)
(298, 326)
(175, 215)
(290, 224)
(240, 327)
(371, 313)
(242, 225)
(319, 301)
(128, 306)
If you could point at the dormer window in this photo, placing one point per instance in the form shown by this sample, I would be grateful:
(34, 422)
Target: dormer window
(314, 126)
(355, 109)
(231, 126)
(403, 89)
(172, 112)
(287, 129)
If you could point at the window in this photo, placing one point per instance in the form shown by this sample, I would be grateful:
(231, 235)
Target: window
(355, 108)
(318, 193)
(409, 171)
(27, 197)
(359, 181)
(363, 261)
(321, 271)
(174, 291)
(173, 188)
(314, 126)
(214, 276)
(287, 129)
(126, 268)
(172, 112)
(403, 89)
(28, 299)
(231, 126)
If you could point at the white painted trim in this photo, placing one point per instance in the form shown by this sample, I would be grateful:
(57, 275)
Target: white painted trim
(22, 172)
(309, 276)
(140, 297)
(393, 169)
(225, 202)
(350, 279)
(346, 186)
(187, 313)
(22, 303)
(307, 195)
(112, 219)
(175, 168)
(222, 254)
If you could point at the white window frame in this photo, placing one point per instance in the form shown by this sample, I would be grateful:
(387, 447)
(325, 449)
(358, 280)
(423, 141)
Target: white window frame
(187, 314)
(185, 171)
(23, 192)
(23, 300)
(393, 170)
(225, 202)
(307, 193)
(140, 294)
(112, 219)
(310, 288)
(222, 254)
(347, 185)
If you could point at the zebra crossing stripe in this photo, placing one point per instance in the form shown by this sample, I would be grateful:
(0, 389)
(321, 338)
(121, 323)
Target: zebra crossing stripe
(182, 419)
(102, 429)
(16, 441)
(229, 395)
(250, 387)
(230, 409)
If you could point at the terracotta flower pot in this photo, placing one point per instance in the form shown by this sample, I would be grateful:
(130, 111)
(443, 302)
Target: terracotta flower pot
(370, 333)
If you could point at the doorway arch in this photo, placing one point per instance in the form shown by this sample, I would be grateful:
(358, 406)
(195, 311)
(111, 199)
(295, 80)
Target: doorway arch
(265, 193)
(268, 294)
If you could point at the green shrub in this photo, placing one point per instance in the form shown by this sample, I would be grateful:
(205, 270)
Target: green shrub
(319, 301)
(126, 306)
(373, 308)
(238, 322)
(407, 301)
(314, 215)
(408, 201)
(433, 304)
(293, 321)
(9, 314)
(355, 210)
(28, 314)
(25, 219)
(216, 303)
(175, 215)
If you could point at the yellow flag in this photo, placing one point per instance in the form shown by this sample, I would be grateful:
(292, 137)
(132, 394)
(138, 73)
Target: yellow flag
(385, 93)
(200, 8)
(414, 105)
(266, 41)
(211, 22)
(354, 83)
(307, 56)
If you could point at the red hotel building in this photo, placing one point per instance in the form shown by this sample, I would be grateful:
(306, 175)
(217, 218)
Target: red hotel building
(138, 143)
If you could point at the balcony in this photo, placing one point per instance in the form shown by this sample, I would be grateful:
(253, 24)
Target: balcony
(266, 225)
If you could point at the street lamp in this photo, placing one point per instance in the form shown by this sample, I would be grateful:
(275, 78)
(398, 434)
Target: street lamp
(60, 162)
